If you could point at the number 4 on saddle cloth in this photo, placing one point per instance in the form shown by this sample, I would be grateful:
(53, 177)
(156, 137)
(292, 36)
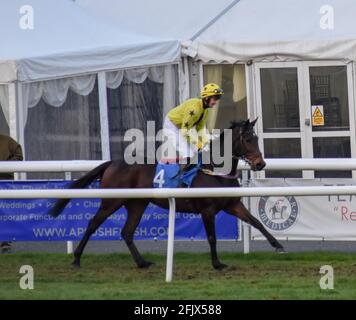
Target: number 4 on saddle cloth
(167, 175)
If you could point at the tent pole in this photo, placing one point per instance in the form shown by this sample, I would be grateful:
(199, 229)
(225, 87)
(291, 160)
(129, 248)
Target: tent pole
(104, 118)
(13, 125)
(21, 122)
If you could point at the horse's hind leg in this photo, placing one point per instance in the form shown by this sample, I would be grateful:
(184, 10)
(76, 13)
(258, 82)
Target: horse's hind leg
(135, 210)
(209, 224)
(108, 207)
(239, 210)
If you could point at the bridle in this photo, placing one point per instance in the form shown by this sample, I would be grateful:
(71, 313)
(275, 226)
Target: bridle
(243, 152)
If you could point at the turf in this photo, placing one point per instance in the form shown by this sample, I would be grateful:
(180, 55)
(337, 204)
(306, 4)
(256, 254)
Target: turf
(114, 276)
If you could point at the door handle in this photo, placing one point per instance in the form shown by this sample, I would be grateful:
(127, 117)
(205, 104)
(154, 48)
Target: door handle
(307, 122)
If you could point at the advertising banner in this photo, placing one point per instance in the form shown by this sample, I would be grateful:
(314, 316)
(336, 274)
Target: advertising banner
(317, 217)
(28, 220)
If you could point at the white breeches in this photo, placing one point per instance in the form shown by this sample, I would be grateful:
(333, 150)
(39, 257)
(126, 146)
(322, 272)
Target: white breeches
(176, 142)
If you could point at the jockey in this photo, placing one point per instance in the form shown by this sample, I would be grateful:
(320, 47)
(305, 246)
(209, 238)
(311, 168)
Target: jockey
(185, 127)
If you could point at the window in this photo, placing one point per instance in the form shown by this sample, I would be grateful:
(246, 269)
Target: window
(332, 147)
(280, 101)
(282, 148)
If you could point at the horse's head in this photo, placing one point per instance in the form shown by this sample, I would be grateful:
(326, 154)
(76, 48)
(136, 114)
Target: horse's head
(245, 144)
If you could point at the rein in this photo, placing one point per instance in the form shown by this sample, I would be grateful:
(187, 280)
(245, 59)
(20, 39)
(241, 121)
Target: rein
(234, 157)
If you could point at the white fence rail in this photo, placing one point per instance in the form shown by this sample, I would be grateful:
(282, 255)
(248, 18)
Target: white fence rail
(171, 194)
(272, 164)
(177, 193)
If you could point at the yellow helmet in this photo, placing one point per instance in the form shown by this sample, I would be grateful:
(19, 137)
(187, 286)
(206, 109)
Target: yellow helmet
(211, 89)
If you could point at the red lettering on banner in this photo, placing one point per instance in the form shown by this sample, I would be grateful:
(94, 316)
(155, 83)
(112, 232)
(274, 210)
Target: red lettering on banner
(347, 215)
(344, 211)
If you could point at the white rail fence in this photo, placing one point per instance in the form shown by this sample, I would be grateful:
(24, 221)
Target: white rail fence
(85, 165)
(171, 194)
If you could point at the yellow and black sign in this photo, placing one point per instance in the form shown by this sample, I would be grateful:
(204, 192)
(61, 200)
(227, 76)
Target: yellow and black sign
(318, 116)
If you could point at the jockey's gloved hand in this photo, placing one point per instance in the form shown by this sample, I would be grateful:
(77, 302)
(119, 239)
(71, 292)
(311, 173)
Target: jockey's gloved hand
(200, 145)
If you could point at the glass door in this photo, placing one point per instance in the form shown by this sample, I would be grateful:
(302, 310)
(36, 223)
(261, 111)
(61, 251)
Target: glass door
(279, 102)
(330, 125)
(306, 112)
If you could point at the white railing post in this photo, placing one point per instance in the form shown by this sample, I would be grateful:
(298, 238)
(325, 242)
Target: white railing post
(69, 247)
(246, 234)
(170, 242)
(68, 176)
(246, 228)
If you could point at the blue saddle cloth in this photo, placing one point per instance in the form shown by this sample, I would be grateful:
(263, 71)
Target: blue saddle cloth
(167, 176)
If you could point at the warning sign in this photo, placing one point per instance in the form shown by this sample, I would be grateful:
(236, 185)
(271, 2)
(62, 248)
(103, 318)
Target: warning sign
(318, 115)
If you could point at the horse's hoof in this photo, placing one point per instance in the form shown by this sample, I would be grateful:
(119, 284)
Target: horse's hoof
(145, 264)
(281, 250)
(219, 266)
(76, 264)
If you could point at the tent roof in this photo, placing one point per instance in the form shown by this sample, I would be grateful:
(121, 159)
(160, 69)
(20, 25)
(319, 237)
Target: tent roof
(248, 29)
(280, 29)
(159, 18)
(66, 40)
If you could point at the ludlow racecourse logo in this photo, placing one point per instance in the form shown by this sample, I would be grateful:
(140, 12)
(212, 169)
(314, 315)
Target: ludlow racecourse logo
(278, 213)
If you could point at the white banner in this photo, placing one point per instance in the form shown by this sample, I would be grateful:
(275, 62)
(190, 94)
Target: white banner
(324, 217)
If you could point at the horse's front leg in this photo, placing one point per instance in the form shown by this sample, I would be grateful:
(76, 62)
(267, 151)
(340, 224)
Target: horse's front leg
(209, 223)
(238, 210)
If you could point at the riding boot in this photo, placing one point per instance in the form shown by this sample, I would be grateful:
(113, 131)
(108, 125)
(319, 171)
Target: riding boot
(184, 167)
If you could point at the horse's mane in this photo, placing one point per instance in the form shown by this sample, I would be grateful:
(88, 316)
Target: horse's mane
(233, 124)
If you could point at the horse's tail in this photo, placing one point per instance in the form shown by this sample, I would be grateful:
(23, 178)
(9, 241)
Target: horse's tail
(80, 183)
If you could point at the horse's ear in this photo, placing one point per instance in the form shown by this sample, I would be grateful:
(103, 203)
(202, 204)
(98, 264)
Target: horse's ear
(254, 122)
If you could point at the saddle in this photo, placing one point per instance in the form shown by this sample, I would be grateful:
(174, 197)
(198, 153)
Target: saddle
(167, 174)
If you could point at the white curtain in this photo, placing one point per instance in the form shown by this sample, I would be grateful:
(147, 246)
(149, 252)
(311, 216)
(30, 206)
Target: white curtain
(62, 119)
(138, 96)
(213, 73)
(4, 101)
(166, 75)
(239, 81)
(233, 105)
(4, 109)
(69, 132)
(54, 92)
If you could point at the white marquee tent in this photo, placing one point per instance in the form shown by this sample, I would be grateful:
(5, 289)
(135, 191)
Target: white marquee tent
(65, 40)
(303, 55)
(73, 46)
(68, 48)
(220, 39)
(281, 30)
(240, 30)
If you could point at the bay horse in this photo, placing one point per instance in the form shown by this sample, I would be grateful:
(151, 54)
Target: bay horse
(118, 174)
